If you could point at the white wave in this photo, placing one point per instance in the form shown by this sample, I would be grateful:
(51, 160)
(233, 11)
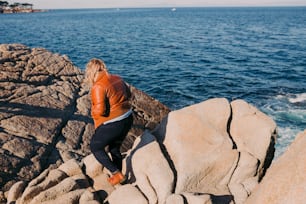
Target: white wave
(298, 98)
(285, 137)
(289, 112)
(280, 97)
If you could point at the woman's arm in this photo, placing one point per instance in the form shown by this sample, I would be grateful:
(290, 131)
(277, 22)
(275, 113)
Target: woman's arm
(99, 102)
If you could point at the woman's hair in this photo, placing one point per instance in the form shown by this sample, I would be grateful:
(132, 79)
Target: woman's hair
(93, 67)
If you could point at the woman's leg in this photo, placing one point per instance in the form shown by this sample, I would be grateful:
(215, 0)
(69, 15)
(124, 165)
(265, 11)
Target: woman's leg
(114, 150)
(111, 134)
(103, 137)
(114, 147)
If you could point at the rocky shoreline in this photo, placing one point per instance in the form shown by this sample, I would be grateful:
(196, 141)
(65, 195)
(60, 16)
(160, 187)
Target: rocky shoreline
(16, 7)
(220, 155)
(10, 11)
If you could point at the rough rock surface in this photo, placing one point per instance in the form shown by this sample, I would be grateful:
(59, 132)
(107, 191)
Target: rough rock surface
(206, 161)
(44, 113)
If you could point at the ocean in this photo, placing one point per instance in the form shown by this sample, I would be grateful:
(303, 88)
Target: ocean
(186, 56)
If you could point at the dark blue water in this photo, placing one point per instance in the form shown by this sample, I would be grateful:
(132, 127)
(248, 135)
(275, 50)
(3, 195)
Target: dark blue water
(187, 56)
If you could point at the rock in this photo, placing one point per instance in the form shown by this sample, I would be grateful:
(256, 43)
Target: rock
(3, 197)
(35, 104)
(102, 186)
(53, 178)
(45, 113)
(285, 180)
(127, 194)
(200, 149)
(243, 179)
(151, 169)
(251, 129)
(95, 171)
(93, 167)
(64, 187)
(71, 168)
(177, 199)
(16, 191)
(198, 161)
(66, 184)
(89, 198)
(198, 198)
(72, 197)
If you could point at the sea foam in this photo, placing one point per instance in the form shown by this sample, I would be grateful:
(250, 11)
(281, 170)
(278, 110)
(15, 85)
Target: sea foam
(298, 98)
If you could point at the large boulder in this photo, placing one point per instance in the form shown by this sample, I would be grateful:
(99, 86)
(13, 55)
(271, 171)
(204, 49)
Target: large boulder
(207, 162)
(149, 168)
(196, 139)
(285, 180)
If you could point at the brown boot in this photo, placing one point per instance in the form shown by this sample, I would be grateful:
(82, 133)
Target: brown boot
(116, 178)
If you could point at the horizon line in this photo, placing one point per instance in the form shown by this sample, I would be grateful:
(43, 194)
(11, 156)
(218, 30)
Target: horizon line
(147, 7)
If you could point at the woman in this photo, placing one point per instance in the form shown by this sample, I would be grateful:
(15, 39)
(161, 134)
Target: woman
(112, 115)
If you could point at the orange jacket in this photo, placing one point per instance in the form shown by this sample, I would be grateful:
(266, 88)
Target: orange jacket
(109, 97)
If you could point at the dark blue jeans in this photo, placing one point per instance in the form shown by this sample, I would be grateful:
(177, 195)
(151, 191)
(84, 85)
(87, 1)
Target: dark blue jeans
(112, 135)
